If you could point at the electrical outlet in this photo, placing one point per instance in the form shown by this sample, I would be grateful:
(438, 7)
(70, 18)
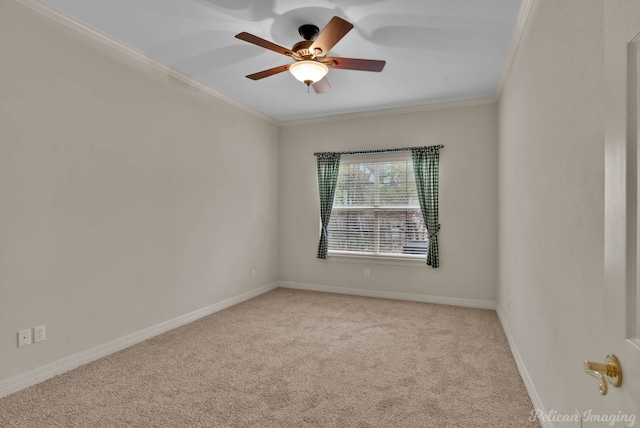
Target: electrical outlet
(24, 338)
(367, 273)
(39, 333)
(253, 273)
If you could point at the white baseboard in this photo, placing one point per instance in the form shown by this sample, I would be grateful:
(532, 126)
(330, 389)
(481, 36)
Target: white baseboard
(40, 374)
(524, 374)
(453, 301)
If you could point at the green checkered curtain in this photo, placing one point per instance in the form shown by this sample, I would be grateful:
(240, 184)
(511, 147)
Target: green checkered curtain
(426, 169)
(328, 166)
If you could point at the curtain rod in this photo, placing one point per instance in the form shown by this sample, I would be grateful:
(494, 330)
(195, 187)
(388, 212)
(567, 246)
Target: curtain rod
(371, 152)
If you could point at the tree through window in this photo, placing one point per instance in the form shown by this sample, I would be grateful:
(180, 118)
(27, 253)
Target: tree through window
(376, 209)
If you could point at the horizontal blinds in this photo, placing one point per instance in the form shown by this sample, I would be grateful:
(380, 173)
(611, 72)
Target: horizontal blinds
(376, 210)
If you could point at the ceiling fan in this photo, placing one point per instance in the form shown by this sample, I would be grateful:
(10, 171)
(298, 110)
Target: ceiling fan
(311, 64)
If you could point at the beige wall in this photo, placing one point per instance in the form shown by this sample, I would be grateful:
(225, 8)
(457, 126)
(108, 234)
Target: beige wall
(468, 204)
(551, 237)
(127, 198)
(120, 207)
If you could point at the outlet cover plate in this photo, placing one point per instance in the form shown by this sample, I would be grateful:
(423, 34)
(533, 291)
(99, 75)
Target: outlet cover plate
(24, 337)
(39, 333)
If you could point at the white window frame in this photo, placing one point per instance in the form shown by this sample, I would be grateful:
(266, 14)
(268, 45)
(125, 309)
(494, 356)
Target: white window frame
(379, 258)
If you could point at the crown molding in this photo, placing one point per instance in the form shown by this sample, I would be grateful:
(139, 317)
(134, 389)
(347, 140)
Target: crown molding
(389, 112)
(141, 57)
(516, 38)
(137, 55)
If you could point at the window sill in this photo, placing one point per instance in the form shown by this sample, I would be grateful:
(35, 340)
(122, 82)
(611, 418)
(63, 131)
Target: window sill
(413, 261)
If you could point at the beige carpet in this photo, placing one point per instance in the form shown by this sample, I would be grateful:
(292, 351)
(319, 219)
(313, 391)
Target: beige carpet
(296, 359)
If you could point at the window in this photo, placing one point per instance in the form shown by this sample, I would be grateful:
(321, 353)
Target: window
(376, 209)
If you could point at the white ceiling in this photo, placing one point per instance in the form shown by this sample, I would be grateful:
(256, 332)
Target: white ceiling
(436, 50)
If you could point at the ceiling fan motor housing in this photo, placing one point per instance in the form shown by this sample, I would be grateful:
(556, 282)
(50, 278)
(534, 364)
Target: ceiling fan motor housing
(309, 33)
(302, 49)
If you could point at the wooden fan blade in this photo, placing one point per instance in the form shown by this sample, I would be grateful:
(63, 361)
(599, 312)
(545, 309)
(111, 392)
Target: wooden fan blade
(355, 64)
(264, 43)
(322, 86)
(270, 72)
(329, 36)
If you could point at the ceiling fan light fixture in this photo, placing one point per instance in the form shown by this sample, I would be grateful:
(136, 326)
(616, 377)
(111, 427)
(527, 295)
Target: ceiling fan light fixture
(308, 71)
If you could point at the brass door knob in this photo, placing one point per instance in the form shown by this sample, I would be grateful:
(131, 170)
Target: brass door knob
(609, 370)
